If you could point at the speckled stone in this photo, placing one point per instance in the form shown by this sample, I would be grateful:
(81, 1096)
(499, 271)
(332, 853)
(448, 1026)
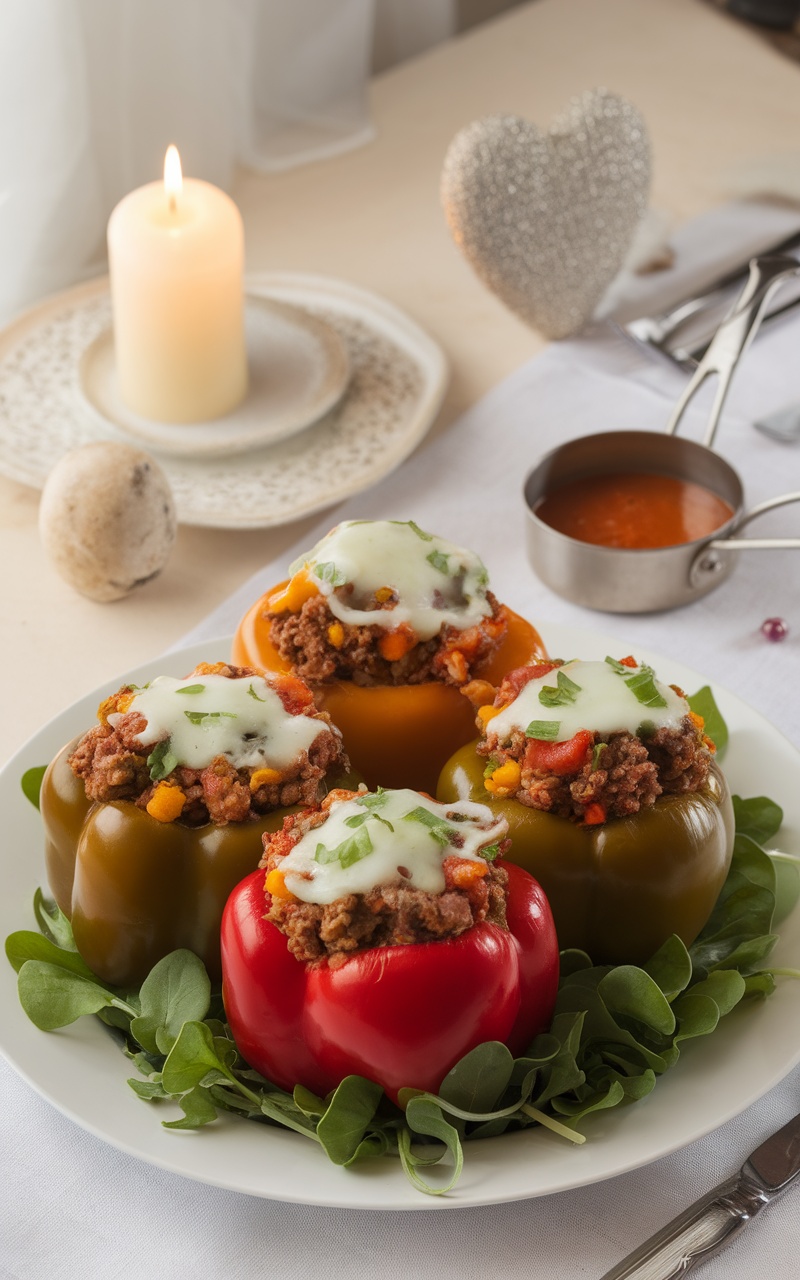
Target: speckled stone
(546, 219)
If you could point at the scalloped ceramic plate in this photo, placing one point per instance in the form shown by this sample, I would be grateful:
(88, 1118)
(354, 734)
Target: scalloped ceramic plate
(80, 1070)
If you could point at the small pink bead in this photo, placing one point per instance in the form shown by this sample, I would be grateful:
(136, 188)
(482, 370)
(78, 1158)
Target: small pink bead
(774, 629)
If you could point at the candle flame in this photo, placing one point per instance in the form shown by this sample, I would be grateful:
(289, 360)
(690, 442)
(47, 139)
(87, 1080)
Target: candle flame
(173, 177)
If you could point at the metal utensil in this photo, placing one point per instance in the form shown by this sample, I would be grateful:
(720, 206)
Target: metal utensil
(620, 580)
(684, 331)
(703, 1229)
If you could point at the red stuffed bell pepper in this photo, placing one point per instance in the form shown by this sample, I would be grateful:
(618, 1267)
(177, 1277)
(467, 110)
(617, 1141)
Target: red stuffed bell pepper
(409, 945)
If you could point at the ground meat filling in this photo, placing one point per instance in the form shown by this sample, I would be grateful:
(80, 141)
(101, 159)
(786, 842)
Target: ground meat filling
(630, 773)
(319, 647)
(393, 915)
(112, 763)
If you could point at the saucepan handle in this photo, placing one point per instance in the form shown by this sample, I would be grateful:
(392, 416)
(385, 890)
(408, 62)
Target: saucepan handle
(757, 544)
(710, 560)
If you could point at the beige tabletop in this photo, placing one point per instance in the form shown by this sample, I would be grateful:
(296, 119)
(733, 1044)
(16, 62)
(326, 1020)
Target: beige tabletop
(713, 95)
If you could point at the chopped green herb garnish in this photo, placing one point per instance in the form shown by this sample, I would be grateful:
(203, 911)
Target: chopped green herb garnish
(162, 760)
(351, 850)
(202, 717)
(426, 537)
(491, 768)
(253, 694)
(597, 751)
(482, 580)
(646, 729)
(490, 852)
(561, 693)
(439, 561)
(439, 829)
(643, 688)
(191, 688)
(545, 730)
(328, 572)
(357, 820)
(619, 667)
(373, 799)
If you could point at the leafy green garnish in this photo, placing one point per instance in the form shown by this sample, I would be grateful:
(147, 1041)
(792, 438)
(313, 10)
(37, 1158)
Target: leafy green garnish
(619, 667)
(206, 718)
(441, 831)
(162, 760)
(615, 1031)
(426, 537)
(597, 751)
(351, 850)
(31, 783)
(327, 572)
(193, 688)
(643, 688)
(439, 561)
(490, 852)
(253, 694)
(544, 730)
(561, 693)
(703, 704)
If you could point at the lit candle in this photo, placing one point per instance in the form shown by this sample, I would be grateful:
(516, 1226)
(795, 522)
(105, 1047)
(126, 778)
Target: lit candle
(176, 256)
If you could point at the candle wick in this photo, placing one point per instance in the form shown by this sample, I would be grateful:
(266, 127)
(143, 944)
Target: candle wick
(173, 207)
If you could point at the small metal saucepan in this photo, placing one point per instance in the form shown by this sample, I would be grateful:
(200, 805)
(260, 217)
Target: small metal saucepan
(619, 580)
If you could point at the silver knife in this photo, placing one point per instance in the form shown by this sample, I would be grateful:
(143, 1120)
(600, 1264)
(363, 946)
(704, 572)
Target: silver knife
(712, 1222)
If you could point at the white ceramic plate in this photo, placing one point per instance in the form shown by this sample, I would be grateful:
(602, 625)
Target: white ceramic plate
(298, 368)
(398, 377)
(81, 1071)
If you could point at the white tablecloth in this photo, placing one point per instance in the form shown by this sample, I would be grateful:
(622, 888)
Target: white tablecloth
(74, 1207)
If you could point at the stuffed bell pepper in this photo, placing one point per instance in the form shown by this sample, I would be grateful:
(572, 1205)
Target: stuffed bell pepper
(158, 811)
(391, 626)
(383, 938)
(612, 797)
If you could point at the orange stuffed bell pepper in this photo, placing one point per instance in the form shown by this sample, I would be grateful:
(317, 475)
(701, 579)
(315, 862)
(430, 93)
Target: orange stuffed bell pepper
(385, 940)
(158, 811)
(391, 627)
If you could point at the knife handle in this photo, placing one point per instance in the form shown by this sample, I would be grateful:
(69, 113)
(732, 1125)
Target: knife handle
(695, 1234)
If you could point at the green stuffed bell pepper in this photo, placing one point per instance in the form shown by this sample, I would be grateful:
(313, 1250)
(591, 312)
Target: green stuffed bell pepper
(155, 814)
(612, 799)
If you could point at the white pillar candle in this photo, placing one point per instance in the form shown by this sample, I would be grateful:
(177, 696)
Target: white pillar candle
(176, 257)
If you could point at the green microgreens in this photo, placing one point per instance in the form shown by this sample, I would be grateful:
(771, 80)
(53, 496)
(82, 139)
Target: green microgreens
(253, 694)
(491, 767)
(191, 688)
(561, 693)
(439, 561)
(490, 852)
(544, 730)
(205, 718)
(327, 572)
(597, 751)
(351, 850)
(441, 831)
(162, 760)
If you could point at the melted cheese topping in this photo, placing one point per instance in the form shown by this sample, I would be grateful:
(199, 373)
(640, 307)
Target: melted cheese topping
(604, 703)
(205, 716)
(387, 839)
(436, 582)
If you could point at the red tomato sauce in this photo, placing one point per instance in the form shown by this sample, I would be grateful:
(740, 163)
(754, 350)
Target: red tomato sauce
(634, 510)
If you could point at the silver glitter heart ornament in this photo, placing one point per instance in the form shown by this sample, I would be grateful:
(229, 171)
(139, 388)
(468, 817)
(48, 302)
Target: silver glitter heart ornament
(546, 219)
